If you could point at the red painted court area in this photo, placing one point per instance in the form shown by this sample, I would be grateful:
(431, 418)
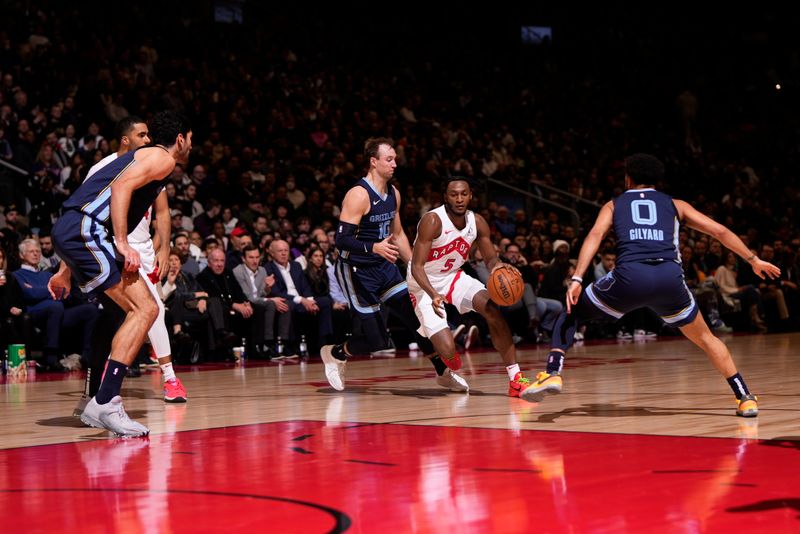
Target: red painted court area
(309, 477)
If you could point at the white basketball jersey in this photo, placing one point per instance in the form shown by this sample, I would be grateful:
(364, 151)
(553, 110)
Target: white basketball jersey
(141, 234)
(450, 250)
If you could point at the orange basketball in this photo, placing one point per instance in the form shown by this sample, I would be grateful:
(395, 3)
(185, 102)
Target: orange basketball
(505, 286)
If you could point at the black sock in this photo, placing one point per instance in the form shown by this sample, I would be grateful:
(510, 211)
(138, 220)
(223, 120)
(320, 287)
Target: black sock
(338, 352)
(438, 364)
(555, 361)
(736, 382)
(112, 382)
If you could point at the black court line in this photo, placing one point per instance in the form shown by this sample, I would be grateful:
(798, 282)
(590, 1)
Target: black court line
(301, 438)
(372, 463)
(301, 450)
(343, 521)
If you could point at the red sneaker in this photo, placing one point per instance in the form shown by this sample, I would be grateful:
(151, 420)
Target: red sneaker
(174, 391)
(518, 385)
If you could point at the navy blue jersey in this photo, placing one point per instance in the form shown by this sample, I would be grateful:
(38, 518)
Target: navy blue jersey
(93, 197)
(646, 224)
(375, 225)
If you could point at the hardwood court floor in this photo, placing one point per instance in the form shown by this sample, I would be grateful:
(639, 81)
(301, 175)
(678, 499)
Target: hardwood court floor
(644, 437)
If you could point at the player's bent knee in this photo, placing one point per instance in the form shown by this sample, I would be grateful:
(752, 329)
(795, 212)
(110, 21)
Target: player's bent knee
(152, 311)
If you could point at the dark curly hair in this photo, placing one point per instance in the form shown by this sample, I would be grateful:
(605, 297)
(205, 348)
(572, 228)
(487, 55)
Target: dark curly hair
(165, 127)
(450, 179)
(644, 169)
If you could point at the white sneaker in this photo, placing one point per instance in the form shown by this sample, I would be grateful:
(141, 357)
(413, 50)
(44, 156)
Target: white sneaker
(452, 381)
(578, 337)
(413, 346)
(112, 416)
(471, 338)
(334, 369)
(643, 334)
(622, 335)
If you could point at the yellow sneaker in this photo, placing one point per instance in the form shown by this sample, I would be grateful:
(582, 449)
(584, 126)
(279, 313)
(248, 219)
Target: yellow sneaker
(747, 406)
(545, 384)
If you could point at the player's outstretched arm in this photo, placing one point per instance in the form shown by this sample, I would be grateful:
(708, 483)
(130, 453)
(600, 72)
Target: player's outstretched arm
(588, 251)
(486, 247)
(592, 242)
(698, 221)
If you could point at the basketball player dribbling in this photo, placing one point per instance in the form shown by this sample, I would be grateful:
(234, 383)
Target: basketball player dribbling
(444, 238)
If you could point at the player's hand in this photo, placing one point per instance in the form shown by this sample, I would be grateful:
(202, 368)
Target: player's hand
(132, 259)
(438, 305)
(162, 262)
(573, 294)
(59, 285)
(500, 265)
(387, 249)
(764, 268)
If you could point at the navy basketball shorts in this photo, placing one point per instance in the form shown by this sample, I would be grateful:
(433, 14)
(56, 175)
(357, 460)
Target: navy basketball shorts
(367, 286)
(655, 285)
(85, 246)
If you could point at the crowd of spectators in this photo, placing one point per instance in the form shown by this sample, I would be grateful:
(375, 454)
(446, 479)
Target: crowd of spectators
(279, 119)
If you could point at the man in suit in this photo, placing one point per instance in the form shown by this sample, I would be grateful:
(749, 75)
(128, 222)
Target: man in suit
(227, 303)
(257, 287)
(292, 285)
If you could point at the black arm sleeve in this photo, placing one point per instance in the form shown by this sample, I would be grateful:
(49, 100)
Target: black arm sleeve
(346, 239)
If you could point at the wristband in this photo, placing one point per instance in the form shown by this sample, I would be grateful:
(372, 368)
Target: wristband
(577, 279)
(751, 258)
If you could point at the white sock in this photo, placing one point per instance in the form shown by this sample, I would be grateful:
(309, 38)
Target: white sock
(512, 370)
(168, 371)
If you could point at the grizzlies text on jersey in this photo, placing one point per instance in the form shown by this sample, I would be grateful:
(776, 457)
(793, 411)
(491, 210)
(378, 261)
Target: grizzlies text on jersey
(375, 225)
